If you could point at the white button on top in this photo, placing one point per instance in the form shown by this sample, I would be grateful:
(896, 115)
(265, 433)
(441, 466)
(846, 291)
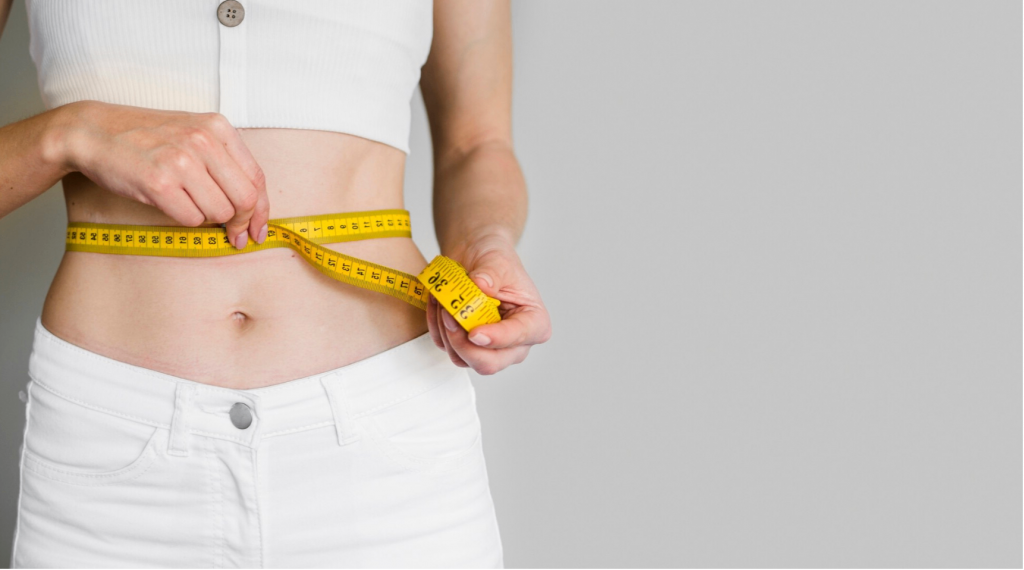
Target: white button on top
(230, 13)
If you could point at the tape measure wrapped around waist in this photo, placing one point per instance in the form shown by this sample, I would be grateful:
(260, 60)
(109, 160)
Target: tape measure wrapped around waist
(304, 234)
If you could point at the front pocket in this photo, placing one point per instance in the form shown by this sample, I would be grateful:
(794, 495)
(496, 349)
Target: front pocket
(71, 443)
(434, 431)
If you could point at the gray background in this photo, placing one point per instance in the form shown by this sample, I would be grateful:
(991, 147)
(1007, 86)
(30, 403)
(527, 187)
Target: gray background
(781, 247)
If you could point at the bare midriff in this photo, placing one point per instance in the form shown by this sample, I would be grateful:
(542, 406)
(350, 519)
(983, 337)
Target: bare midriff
(249, 320)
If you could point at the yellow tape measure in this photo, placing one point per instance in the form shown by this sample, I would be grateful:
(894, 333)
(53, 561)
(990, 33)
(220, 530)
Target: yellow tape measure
(449, 283)
(304, 234)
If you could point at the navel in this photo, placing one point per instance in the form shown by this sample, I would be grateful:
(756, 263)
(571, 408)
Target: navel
(241, 321)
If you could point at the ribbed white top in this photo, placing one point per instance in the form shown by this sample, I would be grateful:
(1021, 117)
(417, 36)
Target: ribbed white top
(348, 66)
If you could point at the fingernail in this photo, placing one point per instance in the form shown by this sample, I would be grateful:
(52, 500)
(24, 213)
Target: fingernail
(241, 240)
(449, 321)
(480, 339)
(263, 234)
(485, 277)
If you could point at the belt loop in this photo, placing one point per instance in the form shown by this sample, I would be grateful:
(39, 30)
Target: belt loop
(179, 440)
(344, 424)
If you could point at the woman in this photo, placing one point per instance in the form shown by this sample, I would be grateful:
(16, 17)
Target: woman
(246, 410)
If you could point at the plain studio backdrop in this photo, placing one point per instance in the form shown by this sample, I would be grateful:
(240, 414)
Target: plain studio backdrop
(781, 247)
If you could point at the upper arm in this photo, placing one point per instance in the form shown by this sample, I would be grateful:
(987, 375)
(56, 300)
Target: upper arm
(5, 12)
(467, 79)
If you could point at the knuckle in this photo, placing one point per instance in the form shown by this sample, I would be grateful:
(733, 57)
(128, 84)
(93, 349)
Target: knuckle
(215, 121)
(198, 138)
(193, 219)
(247, 202)
(259, 180)
(223, 214)
(160, 182)
(176, 158)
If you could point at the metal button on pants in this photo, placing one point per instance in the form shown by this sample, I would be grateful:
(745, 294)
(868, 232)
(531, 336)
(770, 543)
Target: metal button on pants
(241, 415)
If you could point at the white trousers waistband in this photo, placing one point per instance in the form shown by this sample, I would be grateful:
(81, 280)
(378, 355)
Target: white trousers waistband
(188, 407)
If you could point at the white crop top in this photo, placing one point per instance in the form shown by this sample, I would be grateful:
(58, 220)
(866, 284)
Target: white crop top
(349, 66)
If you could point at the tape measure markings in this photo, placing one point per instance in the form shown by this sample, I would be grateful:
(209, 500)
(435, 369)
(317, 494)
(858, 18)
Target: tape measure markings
(448, 280)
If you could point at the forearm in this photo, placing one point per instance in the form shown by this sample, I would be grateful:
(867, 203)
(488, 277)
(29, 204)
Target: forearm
(479, 197)
(33, 156)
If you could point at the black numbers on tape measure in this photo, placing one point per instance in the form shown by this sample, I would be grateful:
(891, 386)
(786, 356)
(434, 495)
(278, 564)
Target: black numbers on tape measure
(456, 302)
(141, 241)
(437, 281)
(467, 311)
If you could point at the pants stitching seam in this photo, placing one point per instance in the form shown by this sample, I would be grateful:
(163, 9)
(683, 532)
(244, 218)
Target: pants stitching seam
(97, 408)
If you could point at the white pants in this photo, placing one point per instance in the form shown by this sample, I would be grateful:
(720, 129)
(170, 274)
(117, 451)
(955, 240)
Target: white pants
(378, 463)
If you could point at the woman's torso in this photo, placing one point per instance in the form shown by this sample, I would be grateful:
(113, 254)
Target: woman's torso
(320, 92)
(248, 320)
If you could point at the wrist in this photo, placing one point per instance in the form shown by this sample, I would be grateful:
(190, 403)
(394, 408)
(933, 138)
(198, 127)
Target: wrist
(64, 139)
(481, 241)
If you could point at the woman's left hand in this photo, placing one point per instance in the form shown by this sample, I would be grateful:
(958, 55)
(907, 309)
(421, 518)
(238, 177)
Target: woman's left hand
(496, 269)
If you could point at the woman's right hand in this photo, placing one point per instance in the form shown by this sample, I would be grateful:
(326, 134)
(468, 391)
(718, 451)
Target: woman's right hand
(194, 167)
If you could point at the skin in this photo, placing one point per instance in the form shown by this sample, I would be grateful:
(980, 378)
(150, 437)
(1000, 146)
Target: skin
(268, 317)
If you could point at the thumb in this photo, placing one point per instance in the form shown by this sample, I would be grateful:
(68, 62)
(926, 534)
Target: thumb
(484, 281)
(489, 274)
